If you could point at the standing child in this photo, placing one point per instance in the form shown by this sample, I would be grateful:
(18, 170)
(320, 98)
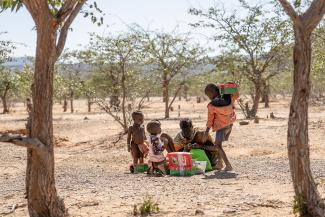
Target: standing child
(221, 116)
(136, 139)
(156, 142)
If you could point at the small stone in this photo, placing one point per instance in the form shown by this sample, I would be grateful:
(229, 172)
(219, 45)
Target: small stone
(229, 210)
(199, 212)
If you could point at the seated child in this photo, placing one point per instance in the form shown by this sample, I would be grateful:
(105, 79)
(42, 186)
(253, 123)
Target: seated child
(221, 116)
(136, 139)
(157, 159)
(190, 137)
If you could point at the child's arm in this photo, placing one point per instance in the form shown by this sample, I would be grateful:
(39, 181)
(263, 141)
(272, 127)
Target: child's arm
(209, 123)
(234, 97)
(128, 141)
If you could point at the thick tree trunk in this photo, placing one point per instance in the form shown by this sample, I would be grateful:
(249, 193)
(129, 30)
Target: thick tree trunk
(298, 147)
(43, 200)
(166, 98)
(71, 101)
(4, 104)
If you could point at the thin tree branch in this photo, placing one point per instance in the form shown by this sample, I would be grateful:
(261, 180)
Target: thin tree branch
(64, 30)
(313, 15)
(290, 11)
(65, 10)
(176, 93)
(22, 141)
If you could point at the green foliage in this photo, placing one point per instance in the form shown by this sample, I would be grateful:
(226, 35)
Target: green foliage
(6, 49)
(300, 207)
(170, 54)
(92, 10)
(250, 44)
(318, 61)
(8, 82)
(25, 80)
(146, 208)
(114, 58)
(68, 81)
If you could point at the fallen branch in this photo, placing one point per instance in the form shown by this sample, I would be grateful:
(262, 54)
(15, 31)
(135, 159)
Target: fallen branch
(22, 141)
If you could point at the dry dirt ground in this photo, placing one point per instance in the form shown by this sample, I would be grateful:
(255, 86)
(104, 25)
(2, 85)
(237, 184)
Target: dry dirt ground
(93, 178)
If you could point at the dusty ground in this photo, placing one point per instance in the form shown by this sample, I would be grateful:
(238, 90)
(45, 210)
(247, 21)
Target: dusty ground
(92, 174)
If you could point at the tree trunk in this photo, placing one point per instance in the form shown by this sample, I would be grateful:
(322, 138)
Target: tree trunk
(89, 102)
(5, 105)
(125, 125)
(186, 88)
(43, 200)
(65, 104)
(298, 147)
(256, 99)
(166, 98)
(266, 94)
(71, 101)
(180, 96)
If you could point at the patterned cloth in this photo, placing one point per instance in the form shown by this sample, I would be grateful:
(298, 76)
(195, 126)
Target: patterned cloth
(156, 149)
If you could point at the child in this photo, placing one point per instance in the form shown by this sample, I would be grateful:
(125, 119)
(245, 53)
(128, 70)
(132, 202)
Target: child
(221, 116)
(157, 159)
(136, 139)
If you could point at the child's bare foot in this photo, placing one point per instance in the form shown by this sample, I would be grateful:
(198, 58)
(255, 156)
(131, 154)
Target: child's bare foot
(217, 167)
(228, 168)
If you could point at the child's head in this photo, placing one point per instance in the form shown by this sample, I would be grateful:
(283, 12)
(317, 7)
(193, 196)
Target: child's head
(138, 117)
(154, 127)
(187, 127)
(28, 99)
(212, 91)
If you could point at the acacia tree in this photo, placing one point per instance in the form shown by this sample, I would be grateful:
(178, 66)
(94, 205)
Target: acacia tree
(169, 55)
(8, 84)
(52, 19)
(116, 63)
(307, 200)
(7, 78)
(253, 42)
(71, 75)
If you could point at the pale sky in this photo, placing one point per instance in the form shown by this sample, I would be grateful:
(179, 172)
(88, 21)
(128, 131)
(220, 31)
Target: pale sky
(152, 14)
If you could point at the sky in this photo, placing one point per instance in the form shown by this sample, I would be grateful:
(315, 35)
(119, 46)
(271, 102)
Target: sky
(162, 15)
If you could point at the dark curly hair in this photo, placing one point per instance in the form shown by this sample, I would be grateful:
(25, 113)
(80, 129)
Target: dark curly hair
(212, 88)
(137, 113)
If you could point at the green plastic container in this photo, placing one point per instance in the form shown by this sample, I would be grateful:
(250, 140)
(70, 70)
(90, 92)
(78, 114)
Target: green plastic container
(181, 173)
(229, 91)
(228, 88)
(141, 168)
(200, 155)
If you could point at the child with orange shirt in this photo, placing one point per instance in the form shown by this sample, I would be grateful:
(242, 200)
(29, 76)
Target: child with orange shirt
(221, 116)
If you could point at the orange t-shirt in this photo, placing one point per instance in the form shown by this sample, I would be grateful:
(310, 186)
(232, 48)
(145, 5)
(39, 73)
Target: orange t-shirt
(221, 117)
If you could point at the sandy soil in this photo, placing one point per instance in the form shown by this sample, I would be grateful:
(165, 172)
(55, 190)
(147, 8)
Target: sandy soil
(93, 178)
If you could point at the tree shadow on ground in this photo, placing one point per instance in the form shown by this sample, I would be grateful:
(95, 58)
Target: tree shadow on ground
(221, 175)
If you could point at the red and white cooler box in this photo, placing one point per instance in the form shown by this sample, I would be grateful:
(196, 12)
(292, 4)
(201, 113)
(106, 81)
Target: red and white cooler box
(180, 163)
